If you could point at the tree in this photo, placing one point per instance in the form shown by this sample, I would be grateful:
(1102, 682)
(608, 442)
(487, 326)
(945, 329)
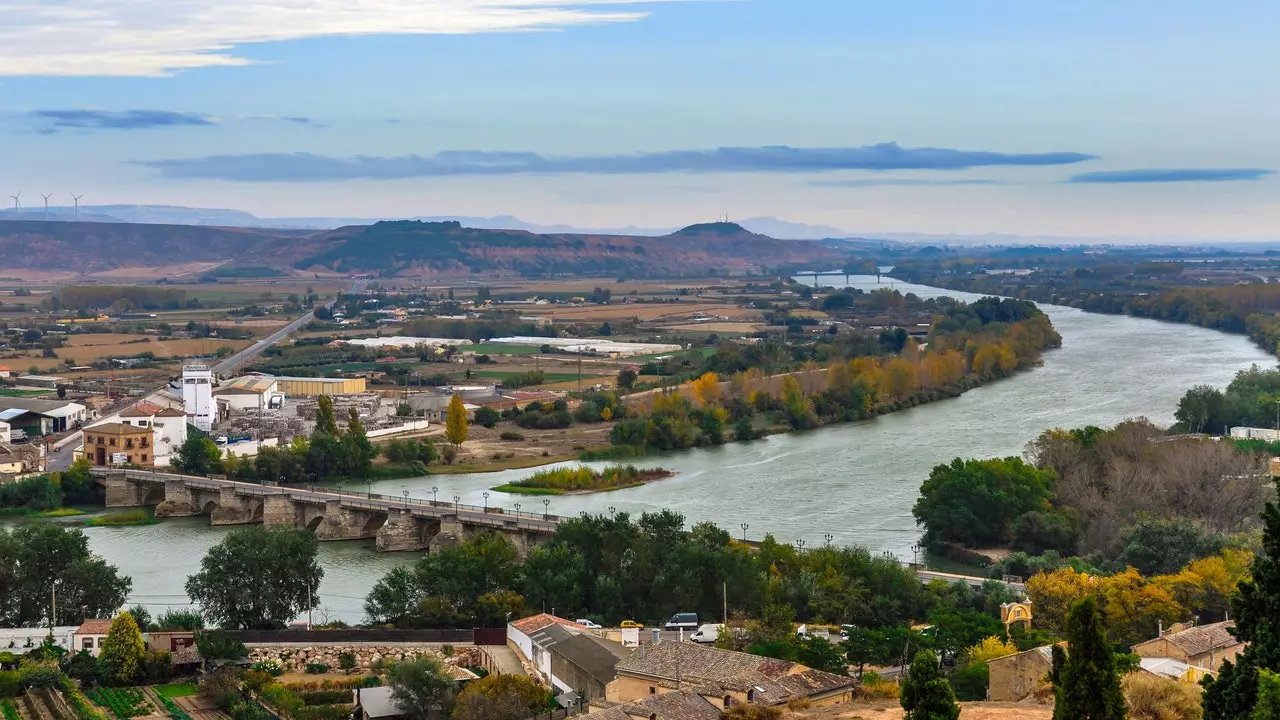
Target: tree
(257, 578)
(1087, 686)
(500, 697)
(325, 421)
(358, 452)
(141, 616)
(123, 652)
(626, 378)
(216, 646)
(455, 424)
(198, 455)
(36, 556)
(1200, 410)
(926, 695)
(707, 390)
(974, 502)
(1268, 705)
(487, 417)
(1234, 693)
(1163, 547)
(421, 687)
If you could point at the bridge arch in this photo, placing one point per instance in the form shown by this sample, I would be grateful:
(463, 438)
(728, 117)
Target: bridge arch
(374, 523)
(315, 522)
(154, 495)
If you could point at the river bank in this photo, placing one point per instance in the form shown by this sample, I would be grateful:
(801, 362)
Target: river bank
(855, 482)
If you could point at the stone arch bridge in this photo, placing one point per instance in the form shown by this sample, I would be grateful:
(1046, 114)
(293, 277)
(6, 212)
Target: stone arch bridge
(395, 523)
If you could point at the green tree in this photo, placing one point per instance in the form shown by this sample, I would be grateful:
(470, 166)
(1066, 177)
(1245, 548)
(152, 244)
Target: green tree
(487, 417)
(974, 502)
(257, 577)
(626, 378)
(455, 424)
(1086, 685)
(926, 695)
(500, 697)
(1256, 604)
(141, 616)
(198, 455)
(422, 688)
(1163, 547)
(123, 652)
(36, 556)
(325, 421)
(358, 452)
(1268, 706)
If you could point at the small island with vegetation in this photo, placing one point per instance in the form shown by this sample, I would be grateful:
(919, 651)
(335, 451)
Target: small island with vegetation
(582, 480)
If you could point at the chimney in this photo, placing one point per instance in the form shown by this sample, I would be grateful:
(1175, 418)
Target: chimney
(1160, 626)
(657, 636)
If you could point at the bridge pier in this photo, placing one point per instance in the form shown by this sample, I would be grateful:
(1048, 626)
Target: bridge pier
(178, 501)
(402, 532)
(122, 493)
(281, 511)
(234, 509)
(341, 523)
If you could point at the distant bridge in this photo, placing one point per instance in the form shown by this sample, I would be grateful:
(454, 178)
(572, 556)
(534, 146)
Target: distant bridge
(396, 523)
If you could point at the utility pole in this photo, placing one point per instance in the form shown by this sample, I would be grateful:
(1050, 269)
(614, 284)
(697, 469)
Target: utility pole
(580, 389)
(309, 593)
(53, 606)
(725, 595)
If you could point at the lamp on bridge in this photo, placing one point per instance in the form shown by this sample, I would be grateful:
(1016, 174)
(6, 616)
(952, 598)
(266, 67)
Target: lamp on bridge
(486, 501)
(405, 491)
(546, 508)
(434, 490)
(744, 527)
(456, 499)
(517, 510)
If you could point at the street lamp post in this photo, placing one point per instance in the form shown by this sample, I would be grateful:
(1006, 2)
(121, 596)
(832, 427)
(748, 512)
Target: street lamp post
(406, 498)
(434, 490)
(517, 511)
(612, 510)
(744, 527)
(368, 487)
(800, 545)
(546, 508)
(486, 501)
(456, 499)
(827, 538)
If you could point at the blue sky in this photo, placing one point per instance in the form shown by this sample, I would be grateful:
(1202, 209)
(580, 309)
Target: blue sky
(1141, 118)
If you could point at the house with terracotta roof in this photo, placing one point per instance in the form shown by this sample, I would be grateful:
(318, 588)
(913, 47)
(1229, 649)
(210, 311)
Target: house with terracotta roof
(1203, 646)
(90, 634)
(168, 426)
(520, 636)
(685, 705)
(722, 677)
(5, 371)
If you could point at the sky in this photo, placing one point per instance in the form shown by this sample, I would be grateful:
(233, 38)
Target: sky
(1136, 119)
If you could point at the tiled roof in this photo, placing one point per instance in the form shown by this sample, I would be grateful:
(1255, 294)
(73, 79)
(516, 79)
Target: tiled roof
(668, 660)
(118, 429)
(533, 624)
(1200, 640)
(94, 627)
(671, 706)
(142, 409)
(171, 412)
(597, 658)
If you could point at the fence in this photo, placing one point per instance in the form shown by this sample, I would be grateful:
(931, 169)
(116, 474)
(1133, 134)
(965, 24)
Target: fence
(351, 635)
(407, 427)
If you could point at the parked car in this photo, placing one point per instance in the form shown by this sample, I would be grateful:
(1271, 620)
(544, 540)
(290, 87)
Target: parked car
(587, 624)
(681, 621)
(630, 624)
(707, 633)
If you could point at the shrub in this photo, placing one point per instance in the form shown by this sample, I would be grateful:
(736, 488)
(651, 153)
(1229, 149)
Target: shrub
(1156, 698)
(874, 687)
(446, 650)
(222, 688)
(323, 712)
(347, 660)
(510, 435)
(270, 667)
(10, 683)
(282, 699)
(325, 697)
(317, 668)
(487, 417)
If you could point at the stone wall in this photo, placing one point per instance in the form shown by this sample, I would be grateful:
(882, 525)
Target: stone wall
(295, 658)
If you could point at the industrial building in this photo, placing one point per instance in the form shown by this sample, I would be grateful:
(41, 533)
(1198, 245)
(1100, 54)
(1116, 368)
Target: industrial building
(313, 387)
(250, 392)
(197, 395)
(41, 417)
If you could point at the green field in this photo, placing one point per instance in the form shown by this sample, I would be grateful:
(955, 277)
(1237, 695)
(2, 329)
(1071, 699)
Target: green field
(175, 690)
(546, 377)
(15, 393)
(491, 349)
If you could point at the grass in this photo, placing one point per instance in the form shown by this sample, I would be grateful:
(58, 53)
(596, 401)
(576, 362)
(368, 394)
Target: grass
(518, 463)
(15, 393)
(175, 690)
(29, 513)
(498, 349)
(561, 481)
(546, 376)
(123, 518)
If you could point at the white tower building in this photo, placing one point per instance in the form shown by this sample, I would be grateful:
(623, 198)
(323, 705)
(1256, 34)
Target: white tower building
(197, 395)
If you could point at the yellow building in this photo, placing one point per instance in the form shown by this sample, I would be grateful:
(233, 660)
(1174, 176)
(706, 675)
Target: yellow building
(311, 387)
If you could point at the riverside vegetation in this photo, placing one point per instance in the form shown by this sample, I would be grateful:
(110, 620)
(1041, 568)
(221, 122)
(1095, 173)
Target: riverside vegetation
(562, 481)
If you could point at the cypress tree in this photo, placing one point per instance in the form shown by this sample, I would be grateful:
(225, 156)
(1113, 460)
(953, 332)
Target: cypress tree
(1256, 608)
(926, 694)
(1087, 686)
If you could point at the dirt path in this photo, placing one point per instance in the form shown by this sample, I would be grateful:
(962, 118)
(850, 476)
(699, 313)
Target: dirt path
(505, 657)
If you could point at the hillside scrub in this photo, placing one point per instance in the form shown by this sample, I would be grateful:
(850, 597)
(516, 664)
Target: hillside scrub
(562, 481)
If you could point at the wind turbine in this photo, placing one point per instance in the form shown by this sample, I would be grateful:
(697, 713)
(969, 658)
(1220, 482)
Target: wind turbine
(46, 204)
(16, 203)
(76, 198)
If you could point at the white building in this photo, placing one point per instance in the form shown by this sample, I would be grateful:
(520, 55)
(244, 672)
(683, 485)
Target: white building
(5, 437)
(252, 392)
(197, 395)
(20, 641)
(168, 424)
(89, 636)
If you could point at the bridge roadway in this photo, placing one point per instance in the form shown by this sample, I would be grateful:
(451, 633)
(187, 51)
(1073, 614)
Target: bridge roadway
(398, 523)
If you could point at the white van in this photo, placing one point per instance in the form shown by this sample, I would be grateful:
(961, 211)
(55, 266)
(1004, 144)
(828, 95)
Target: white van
(706, 633)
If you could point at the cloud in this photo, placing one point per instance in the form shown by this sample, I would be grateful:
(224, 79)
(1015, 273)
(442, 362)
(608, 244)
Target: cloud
(309, 167)
(909, 182)
(1170, 176)
(118, 120)
(160, 37)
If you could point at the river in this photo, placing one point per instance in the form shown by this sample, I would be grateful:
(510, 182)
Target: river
(856, 482)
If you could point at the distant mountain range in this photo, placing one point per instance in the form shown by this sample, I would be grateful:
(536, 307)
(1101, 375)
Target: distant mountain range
(404, 248)
(178, 215)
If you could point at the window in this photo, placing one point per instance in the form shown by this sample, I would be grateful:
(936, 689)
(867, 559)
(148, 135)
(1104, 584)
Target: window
(727, 700)
(88, 439)
(144, 457)
(113, 442)
(144, 442)
(653, 690)
(128, 444)
(86, 644)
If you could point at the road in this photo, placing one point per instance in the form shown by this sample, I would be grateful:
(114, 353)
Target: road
(241, 358)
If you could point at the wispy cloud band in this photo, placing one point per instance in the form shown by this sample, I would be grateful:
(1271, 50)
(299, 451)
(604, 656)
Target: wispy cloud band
(1171, 175)
(159, 37)
(297, 167)
(119, 120)
(901, 182)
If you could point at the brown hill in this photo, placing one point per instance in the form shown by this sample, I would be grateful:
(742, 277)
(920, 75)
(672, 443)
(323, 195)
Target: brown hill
(402, 248)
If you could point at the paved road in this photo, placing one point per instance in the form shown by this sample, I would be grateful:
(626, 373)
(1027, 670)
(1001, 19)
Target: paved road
(241, 358)
(60, 459)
